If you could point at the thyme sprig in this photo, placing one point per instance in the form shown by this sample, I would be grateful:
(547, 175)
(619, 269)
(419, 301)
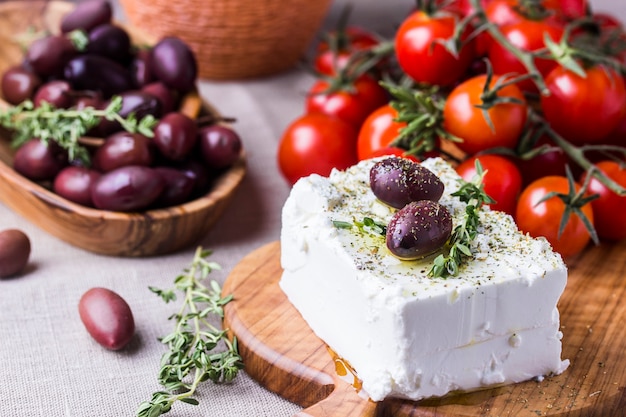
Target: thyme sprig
(190, 359)
(367, 225)
(473, 193)
(67, 126)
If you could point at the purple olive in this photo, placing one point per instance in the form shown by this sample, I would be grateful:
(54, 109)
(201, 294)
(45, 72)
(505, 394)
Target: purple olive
(110, 41)
(175, 136)
(107, 317)
(198, 172)
(220, 146)
(74, 183)
(129, 188)
(140, 69)
(174, 63)
(48, 56)
(87, 15)
(122, 149)
(39, 161)
(56, 92)
(178, 187)
(398, 181)
(163, 93)
(14, 252)
(97, 73)
(134, 102)
(418, 229)
(19, 84)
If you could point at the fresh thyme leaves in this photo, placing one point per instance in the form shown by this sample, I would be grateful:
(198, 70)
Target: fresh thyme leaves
(190, 359)
(473, 194)
(67, 126)
(368, 225)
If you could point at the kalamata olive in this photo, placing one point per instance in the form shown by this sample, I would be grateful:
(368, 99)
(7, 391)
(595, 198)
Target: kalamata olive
(110, 41)
(107, 317)
(178, 187)
(198, 172)
(94, 72)
(122, 149)
(174, 63)
(129, 188)
(398, 181)
(19, 84)
(87, 15)
(39, 161)
(56, 92)
(220, 146)
(14, 252)
(140, 69)
(138, 103)
(48, 56)
(418, 229)
(84, 99)
(175, 135)
(74, 183)
(163, 94)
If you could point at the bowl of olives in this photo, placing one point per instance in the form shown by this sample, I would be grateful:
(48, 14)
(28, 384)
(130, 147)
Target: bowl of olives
(105, 142)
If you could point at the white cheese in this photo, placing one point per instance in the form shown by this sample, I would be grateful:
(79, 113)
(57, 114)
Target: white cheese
(406, 334)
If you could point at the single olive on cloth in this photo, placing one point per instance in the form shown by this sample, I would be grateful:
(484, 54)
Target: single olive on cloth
(107, 317)
(14, 252)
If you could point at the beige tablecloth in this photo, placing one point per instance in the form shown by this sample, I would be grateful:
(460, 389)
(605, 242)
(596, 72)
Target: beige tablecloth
(50, 367)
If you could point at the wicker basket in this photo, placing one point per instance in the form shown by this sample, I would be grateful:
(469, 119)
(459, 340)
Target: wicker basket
(234, 39)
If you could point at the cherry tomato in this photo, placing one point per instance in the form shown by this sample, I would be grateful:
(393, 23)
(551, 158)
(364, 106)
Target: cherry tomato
(462, 7)
(527, 35)
(329, 61)
(463, 119)
(422, 56)
(352, 105)
(584, 110)
(609, 209)
(502, 180)
(574, 9)
(378, 130)
(315, 144)
(393, 151)
(550, 162)
(543, 219)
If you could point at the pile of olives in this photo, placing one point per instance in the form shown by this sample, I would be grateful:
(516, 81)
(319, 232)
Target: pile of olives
(129, 172)
(421, 225)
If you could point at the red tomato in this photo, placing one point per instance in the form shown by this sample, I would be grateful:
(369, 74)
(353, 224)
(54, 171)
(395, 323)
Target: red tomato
(527, 35)
(329, 61)
(462, 7)
(502, 180)
(315, 144)
(574, 9)
(463, 119)
(544, 219)
(584, 110)
(393, 151)
(420, 53)
(378, 131)
(352, 105)
(609, 209)
(551, 162)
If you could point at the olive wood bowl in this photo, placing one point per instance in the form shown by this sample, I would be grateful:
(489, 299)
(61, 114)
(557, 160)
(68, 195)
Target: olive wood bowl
(147, 233)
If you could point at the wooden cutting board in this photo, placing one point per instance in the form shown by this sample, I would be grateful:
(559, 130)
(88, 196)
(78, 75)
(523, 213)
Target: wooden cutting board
(282, 354)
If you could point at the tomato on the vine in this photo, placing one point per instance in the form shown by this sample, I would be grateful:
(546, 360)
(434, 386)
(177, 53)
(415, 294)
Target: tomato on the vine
(584, 109)
(333, 54)
(378, 131)
(502, 180)
(420, 53)
(462, 117)
(609, 209)
(527, 35)
(544, 218)
(550, 162)
(315, 144)
(352, 103)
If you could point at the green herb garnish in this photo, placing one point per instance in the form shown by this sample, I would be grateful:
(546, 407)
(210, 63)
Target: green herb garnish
(367, 225)
(190, 359)
(67, 126)
(473, 194)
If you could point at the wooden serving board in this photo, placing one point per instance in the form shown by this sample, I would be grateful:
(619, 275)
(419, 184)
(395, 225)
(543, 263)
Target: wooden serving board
(282, 353)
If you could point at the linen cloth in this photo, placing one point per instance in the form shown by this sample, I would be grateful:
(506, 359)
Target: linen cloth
(51, 367)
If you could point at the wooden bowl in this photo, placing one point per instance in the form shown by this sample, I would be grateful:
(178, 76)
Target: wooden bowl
(147, 233)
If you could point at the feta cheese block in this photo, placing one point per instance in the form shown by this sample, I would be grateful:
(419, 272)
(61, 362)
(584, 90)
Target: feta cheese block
(403, 333)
